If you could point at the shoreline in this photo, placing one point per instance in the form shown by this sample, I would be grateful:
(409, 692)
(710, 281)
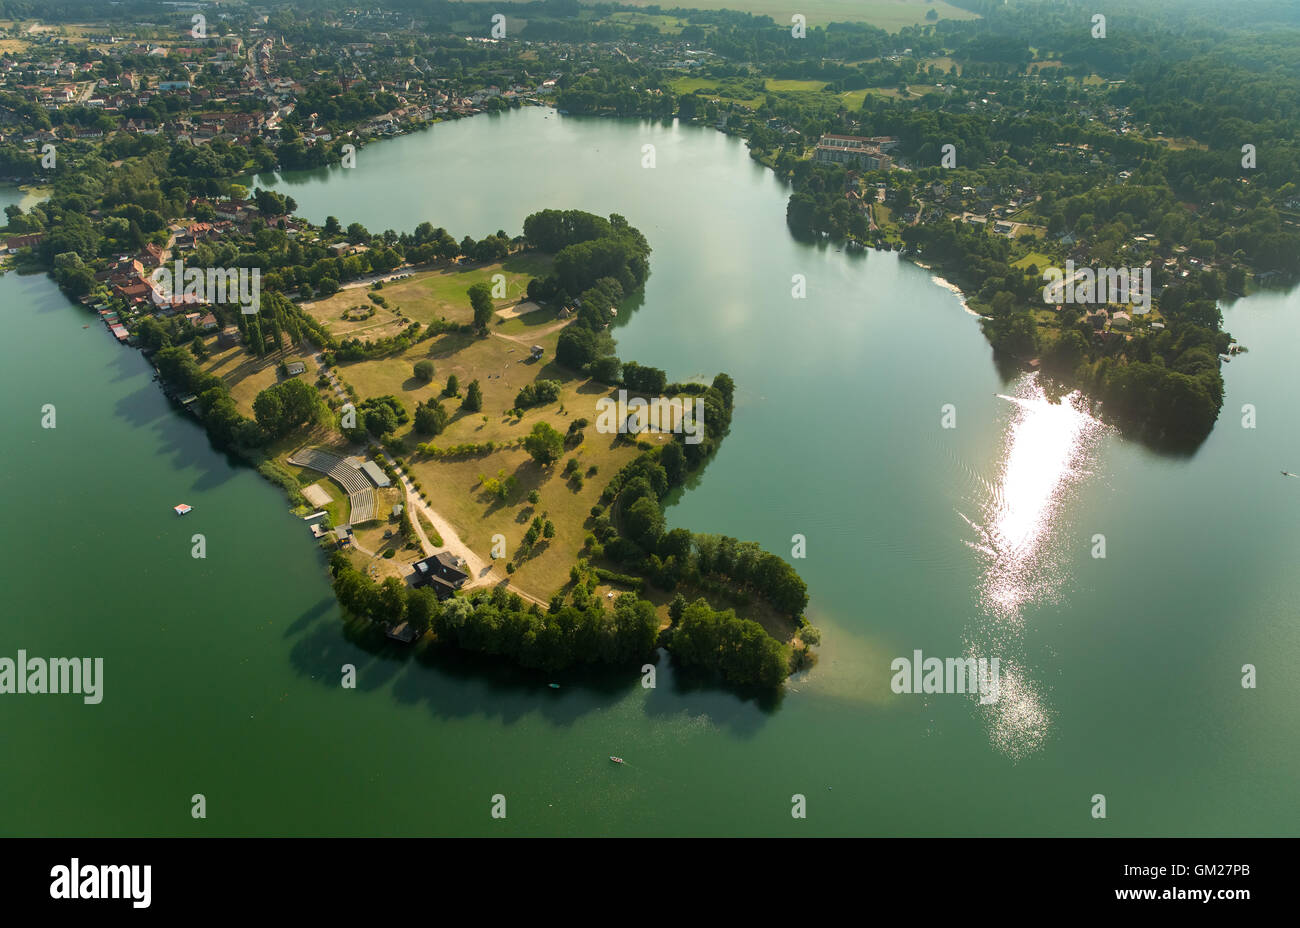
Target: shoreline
(944, 283)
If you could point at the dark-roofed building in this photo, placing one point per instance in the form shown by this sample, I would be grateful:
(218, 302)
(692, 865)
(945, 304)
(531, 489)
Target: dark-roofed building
(442, 572)
(403, 633)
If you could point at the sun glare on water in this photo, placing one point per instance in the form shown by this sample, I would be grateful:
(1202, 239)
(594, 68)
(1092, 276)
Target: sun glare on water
(1048, 447)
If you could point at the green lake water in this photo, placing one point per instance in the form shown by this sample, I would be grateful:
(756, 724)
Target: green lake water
(1120, 676)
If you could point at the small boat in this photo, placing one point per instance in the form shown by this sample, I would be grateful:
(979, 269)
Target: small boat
(554, 686)
(182, 509)
(617, 760)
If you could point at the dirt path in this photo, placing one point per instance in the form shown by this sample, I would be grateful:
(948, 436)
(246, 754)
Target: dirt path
(480, 571)
(533, 336)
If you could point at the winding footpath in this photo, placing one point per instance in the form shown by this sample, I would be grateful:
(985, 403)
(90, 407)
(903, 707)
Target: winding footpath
(479, 570)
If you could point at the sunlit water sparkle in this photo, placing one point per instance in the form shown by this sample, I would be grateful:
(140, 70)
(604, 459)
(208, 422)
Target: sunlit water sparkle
(1023, 543)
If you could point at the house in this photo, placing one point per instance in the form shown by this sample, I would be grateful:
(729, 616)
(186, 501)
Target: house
(208, 322)
(135, 292)
(442, 571)
(14, 243)
(537, 352)
(295, 368)
(229, 337)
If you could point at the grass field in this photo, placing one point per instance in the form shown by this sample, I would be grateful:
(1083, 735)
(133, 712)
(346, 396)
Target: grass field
(246, 375)
(713, 89)
(426, 296)
(890, 15)
(796, 86)
(852, 99)
(668, 25)
(1179, 144)
(1034, 257)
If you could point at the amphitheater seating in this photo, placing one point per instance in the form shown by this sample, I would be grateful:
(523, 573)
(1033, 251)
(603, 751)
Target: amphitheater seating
(361, 493)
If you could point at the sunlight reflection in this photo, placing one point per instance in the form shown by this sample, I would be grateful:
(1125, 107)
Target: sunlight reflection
(1023, 545)
(1048, 447)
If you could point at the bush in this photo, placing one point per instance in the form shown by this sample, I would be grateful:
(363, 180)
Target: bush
(424, 371)
(538, 394)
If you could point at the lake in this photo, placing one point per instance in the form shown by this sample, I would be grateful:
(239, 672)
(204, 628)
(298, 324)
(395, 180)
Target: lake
(1119, 675)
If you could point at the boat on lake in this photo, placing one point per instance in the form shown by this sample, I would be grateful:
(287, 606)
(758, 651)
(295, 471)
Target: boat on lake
(182, 509)
(617, 760)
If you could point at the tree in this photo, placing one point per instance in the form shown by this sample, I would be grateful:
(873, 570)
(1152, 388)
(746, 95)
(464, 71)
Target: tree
(545, 444)
(480, 297)
(576, 347)
(473, 401)
(676, 608)
(453, 386)
(673, 461)
(424, 371)
(282, 407)
(431, 418)
(644, 521)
